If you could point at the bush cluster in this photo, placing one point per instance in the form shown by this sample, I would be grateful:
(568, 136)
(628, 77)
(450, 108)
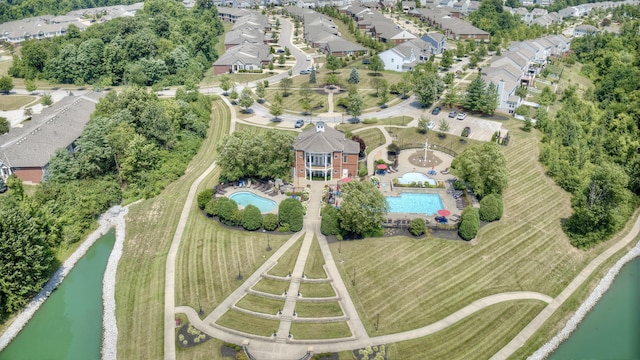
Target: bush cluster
(491, 208)
(330, 221)
(417, 227)
(469, 223)
(291, 213)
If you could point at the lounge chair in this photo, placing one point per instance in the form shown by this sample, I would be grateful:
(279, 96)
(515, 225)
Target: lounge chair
(445, 171)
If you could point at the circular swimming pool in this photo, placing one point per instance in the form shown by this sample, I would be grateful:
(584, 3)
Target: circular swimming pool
(415, 177)
(413, 203)
(244, 198)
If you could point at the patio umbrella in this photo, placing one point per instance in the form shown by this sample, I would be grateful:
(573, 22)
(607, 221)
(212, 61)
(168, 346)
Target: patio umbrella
(346, 180)
(444, 212)
(382, 166)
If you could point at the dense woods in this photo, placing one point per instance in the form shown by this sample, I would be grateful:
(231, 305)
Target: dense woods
(592, 148)
(164, 44)
(134, 145)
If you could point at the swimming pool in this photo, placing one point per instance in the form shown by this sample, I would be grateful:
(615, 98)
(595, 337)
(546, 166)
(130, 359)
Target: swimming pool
(414, 203)
(414, 177)
(244, 198)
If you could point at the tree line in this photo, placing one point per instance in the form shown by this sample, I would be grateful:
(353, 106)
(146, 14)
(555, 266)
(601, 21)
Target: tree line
(134, 145)
(591, 146)
(164, 44)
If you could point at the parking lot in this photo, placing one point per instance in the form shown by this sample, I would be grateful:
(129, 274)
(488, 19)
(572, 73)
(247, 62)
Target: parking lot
(481, 129)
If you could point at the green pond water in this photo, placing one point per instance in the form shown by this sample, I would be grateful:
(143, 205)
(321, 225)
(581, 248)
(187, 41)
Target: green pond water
(69, 324)
(611, 330)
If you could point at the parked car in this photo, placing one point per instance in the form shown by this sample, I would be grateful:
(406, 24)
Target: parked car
(431, 125)
(299, 123)
(452, 114)
(462, 116)
(280, 51)
(436, 110)
(466, 131)
(441, 219)
(305, 72)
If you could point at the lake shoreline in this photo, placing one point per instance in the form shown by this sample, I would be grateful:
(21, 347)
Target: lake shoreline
(572, 324)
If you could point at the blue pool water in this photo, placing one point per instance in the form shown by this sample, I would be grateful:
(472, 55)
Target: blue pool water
(413, 203)
(244, 198)
(412, 177)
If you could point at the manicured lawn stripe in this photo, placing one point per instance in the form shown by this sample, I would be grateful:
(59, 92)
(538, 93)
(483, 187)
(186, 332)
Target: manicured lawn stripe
(260, 304)
(288, 260)
(318, 309)
(236, 320)
(270, 286)
(332, 330)
(372, 138)
(319, 290)
(313, 268)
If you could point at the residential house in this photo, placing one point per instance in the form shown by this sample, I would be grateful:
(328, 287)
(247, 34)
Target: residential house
(243, 57)
(582, 30)
(388, 32)
(324, 153)
(408, 6)
(342, 47)
(231, 15)
(18, 31)
(26, 151)
(248, 35)
(405, 56)
(437, 41)
(537, 12)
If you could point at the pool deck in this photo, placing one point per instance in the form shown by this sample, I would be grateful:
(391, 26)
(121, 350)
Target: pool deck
(277, 198)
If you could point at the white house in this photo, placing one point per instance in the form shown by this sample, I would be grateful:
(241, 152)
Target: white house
(405, 56)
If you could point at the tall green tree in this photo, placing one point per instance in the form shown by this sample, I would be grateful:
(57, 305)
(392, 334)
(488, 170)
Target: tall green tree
(474, 94)
(489, 101)
(427, 88)
(4, 125)
(363, 208)
(355, 102)
(246, 99)
(354, 77)
(6, 84)
(260, 91)
(447, 59)
(276, 106)
(484, 168)
(285, 85)
(376, 64)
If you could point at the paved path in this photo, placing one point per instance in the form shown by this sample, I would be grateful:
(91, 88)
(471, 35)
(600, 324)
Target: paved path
(545, 314)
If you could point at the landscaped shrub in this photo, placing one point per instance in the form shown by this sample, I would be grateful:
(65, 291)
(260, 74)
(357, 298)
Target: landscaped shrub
(227, 209)
(251, 218)
(270, 222)
(291, 212)
(237, 218)
(362, 169)
(329, 224)
(284, 228)
(417, 227)
(204, 197)
(491, 207)
(211, 208)
(469, 223)
(459, 185)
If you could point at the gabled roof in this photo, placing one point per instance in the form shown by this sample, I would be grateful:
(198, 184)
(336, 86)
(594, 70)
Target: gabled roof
(253, 54)
(326, 141)
(244, 35)
(342, 45)
(54, 128)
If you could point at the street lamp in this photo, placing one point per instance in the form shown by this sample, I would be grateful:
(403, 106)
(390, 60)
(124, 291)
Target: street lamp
(268, 243)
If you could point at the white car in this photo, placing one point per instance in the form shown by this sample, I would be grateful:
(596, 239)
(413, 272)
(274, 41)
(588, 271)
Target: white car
(462, 116)
(431, 125)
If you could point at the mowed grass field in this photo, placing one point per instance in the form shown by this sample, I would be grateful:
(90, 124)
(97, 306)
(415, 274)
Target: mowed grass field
(141, 271)
(14, 102)
(411, 283)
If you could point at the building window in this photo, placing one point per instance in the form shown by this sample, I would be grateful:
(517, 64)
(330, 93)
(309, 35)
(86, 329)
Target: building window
(345, 159)
(335, 156)
(335, 171)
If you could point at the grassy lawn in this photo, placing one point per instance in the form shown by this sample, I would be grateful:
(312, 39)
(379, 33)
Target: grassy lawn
(288, 260)
(207, 350)
(313, 268)
(150, 228)
(412, 136)
(396, 121)
(372, 137)
(418, 282)
(14, 102)
(249, 324)
(293, 103)
(318, 309)
(260, 304)
(312, 290)
(467, 339)
(271, 286)
(332, 330)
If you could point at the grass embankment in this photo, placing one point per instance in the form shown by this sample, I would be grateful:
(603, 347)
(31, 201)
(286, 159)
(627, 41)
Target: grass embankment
(318, 309)
(287, 262)
(411, 283)
(260, 304)
(317, 290)
(249, 324)
(271, 286)
(314, 266)
(14, 102)
(150, 229)
(332, 330)
(373, 138)
(477, 337)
